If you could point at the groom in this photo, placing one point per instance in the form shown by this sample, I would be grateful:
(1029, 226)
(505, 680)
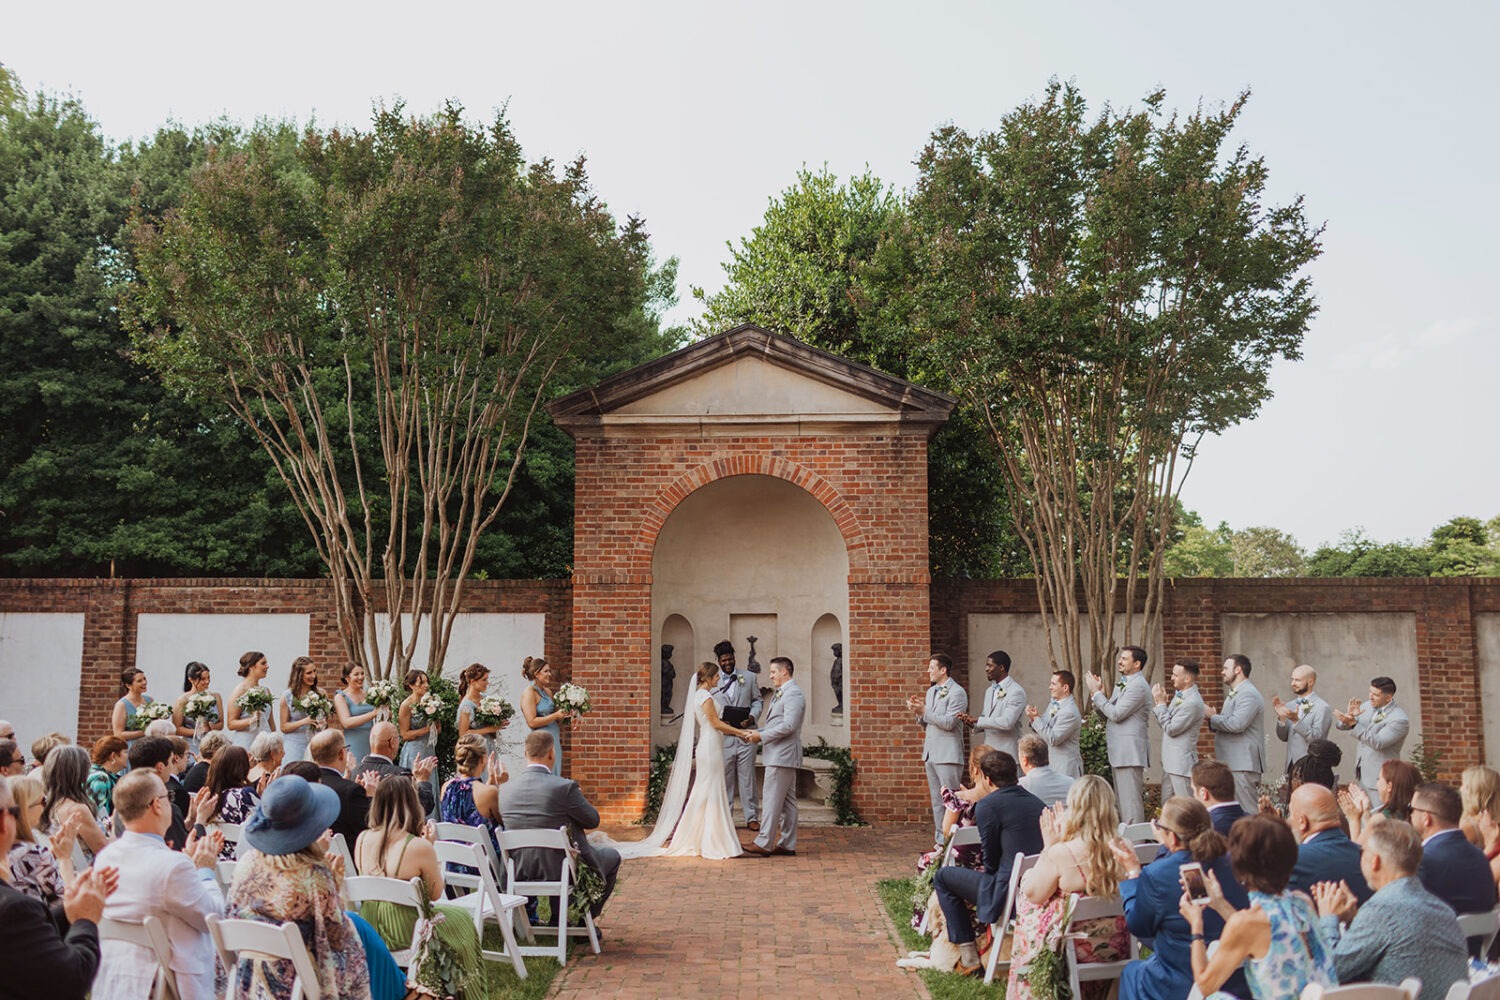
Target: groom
(780, 737)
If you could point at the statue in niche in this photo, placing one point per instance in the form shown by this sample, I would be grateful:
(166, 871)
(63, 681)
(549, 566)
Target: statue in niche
(668, 674)
(754, 665)
(836, 678)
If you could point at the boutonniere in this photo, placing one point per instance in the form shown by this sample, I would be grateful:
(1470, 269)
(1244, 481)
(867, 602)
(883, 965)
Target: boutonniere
(740, 681)
(1120, 684)
(1053, 710)
(1177, 698)
(1379, 716)
(1229, 696)
(1302, 707)
(942, 692)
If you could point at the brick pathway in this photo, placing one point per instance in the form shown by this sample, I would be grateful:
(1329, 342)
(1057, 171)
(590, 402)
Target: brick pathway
(809, 926)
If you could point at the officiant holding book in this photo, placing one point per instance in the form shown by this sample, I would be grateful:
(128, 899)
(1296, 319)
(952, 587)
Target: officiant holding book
(737, 697)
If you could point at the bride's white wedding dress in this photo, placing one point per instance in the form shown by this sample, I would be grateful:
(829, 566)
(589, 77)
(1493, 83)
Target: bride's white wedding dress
(706, 828)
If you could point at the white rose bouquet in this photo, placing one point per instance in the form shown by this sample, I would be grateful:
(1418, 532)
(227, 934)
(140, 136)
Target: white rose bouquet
(148, 714)
(431, 705)
(254, 702)
(572, 699)
(200, 707)
(314, 705)
(494, 711)
(383, 694)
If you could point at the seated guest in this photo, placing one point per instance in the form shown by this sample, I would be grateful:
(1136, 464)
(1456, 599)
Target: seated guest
(537, 799)
(304, 769)
(177, 888)
(1324, 851)
(329, 751)
(63, 776)
(228, 789)
(472, 796)
(1213, 785)
(266, 752)
(1151, 895)
(385, 741)
(182, 799)
(1396, 782)
(1009, 821)
(1402, 930)
(44, 745)
(12, 761)
(109, 762)
(1077, 858)
(49, 952)
(196, 776)
(34, 869)
(1480, 791)
(1452, 869)
(1037, 776)
(154, 754)
(958, 814)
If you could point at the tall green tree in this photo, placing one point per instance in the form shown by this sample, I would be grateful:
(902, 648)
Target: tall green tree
(385, 310)
(1102, 293)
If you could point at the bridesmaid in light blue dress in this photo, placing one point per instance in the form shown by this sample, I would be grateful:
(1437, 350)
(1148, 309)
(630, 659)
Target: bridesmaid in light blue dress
(195, 680)
(244, 728)
(356, 715)
(297, 727)
(133, 682)
(537, 706)
(419, 734)
(473, 682)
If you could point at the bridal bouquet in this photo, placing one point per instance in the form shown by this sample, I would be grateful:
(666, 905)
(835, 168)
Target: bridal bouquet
(572, 699)
(148, 714)
(254, 702)
(431, 705)
(314, 706)
(383, 694)
(200, 707)
(494, 711)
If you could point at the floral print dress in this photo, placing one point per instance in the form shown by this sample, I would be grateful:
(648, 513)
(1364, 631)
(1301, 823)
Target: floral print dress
(1298, 953)
(1038, 929)
(237, 806)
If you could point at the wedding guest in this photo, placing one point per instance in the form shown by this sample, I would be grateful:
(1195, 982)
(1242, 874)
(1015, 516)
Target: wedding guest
(177, 888)
(329, 751)
(296, 725)
(356, 715)
(1395, 787)
(12, 760)
(1037, 775)
(1480, 791)
(63, 776)
(1059, 724)
(1213, 785)
(1402, 930)
(197, 774)
(110, 760)
(266, 753)
(228, 786)
(153, 754)
(473, 681)
(1151, 896)
(182, 799)
(1451, 868)
(1324, 851)
(938, 712)
(195, 680)
(44, 745)
(304, 769)
(243, 728)
(1277, 937)
(381, 762)
(472, 796)
(133, 683)
(7, 731)
(959, 813)
(1380, 727)
(1125, 710)
(34, 868)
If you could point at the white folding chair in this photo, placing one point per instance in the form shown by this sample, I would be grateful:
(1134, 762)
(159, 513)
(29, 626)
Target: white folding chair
(486, 901)
(1484, 989)
(224, 873)
(1146, 853)
(559, 889)
(1408, 990)
(151, 935)
(1023, 864)
(373, 888)
(262, 942)
(963, 836)
(233, 833)
(1480, 925)
(1093, 908)
(1133, 833)
(339, 847)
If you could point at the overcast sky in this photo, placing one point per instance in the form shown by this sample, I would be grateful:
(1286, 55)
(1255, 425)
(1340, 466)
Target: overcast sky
(693, 115)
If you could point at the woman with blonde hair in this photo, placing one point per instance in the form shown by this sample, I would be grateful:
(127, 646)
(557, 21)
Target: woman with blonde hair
(1077, 858)
(34, 869)
(1480, 790)
(472, 796)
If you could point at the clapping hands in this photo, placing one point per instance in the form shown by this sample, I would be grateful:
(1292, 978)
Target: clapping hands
(84, 899)
(1159, 694)
(1095, 682)
(1335, 899)
(1354, 801)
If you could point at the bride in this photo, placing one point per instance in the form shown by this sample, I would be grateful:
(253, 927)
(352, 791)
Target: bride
(702, 825)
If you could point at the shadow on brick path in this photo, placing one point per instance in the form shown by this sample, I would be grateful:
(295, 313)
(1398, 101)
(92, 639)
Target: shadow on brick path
(808, 926)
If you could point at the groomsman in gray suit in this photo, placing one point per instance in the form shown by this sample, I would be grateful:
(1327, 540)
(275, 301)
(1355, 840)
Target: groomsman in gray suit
(737, 697)
(780, 737)
(1059, 724)
(1305, 718)
(1004, 706)
(1239, 731)
(1180, 715)
(1125, 736)
(1380, 726)
(939, 714)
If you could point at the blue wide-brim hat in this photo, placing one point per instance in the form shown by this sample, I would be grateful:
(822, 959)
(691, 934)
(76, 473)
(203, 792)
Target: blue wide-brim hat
(291, 815)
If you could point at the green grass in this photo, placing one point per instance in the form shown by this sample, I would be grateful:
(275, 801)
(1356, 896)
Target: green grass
(895, 893)
(500, 982)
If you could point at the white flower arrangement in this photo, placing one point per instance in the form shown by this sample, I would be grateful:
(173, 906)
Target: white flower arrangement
(254, 701)
(200, 706)
(383, 694)
(494, 711)
(314, 705)
(431, 704)
(572, 698)
(148, 714)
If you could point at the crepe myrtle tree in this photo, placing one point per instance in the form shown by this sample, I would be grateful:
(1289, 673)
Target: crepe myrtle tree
(385, 309)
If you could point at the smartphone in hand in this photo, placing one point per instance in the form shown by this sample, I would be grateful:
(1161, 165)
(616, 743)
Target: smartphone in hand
(1192, 880)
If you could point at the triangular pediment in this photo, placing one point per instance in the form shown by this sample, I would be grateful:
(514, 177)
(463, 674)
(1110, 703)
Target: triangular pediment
(749, 376)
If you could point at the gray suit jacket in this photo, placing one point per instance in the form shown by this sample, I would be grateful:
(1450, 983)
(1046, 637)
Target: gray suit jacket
(1379, 740)
(537, 799)
(1004, 712)
(1049, 785)
(1239, 729)
(1314, 720)
(1059, 724)
(944, 739)
(1180, 719)
(742, 691)
(781, 733)
(1126, 709)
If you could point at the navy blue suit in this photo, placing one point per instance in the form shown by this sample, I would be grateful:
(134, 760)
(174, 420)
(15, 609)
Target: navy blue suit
(1010, 823)
(1330, 857)
(1223, 817)
(1457, 872)
(1151, 912)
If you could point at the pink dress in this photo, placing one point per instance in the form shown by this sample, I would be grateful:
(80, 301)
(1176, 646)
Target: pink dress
(1037, 929)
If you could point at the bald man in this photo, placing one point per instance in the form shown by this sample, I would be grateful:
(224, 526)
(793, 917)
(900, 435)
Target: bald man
(385, 741)
(1324, 851)
(1305, 718)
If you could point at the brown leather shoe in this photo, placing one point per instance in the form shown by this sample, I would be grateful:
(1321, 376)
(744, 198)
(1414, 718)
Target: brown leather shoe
(786, 851)
(754, 824)
(970, 970)
(756, 850)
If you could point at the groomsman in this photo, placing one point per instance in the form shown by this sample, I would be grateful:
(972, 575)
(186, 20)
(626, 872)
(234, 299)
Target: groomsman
(1239, 731)
(1125, 734)
(1305, 718)
(737, 697)
(1004, 706)
(1380, 727)
(1059, 724)
(943, 743)
(1180, 715)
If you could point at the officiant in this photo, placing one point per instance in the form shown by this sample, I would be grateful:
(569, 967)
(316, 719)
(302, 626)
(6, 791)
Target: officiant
(737, 697)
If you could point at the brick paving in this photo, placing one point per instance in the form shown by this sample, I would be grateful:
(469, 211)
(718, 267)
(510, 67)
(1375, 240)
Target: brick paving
(808, 926)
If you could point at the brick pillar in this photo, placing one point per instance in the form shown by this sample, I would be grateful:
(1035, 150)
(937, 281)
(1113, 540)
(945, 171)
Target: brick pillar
(889, 644)
(1447, 658)
(610, 754)
(1190, 627)
(108, 647)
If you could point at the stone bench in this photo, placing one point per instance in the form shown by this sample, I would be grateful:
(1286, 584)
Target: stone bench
(814, 788)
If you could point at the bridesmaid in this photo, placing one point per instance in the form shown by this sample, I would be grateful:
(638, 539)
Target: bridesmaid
(474, 681)
(537, 706)
(297, 727)
(133, 683)
(417, 741)
(356, 715)
(244, 728)
(195, 681)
